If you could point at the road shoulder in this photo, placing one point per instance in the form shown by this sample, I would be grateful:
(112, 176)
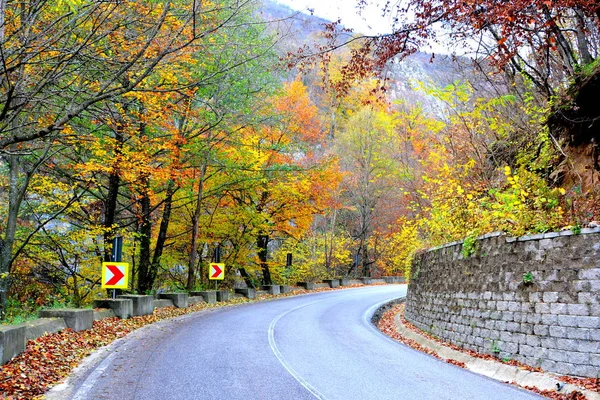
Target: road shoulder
(392, 323)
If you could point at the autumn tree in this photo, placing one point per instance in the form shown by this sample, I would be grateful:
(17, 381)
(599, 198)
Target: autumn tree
(287, 178)
(63, 61)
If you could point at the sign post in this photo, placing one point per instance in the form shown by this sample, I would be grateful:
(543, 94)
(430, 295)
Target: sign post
(216, 272)
(116, 256)
(219, 266)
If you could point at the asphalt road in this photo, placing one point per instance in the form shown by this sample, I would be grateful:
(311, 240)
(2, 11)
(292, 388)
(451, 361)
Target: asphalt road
(314, 346)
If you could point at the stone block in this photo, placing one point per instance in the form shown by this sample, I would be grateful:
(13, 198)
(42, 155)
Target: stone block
(581, 286)
(558, 355)
(549, 319)
(75, 318)
(542, 308)
(12, 342)
(532, 340)
(160, 303)
(578, 358)
(41, 326)
(595, 360)
(566, 344)
(578, 333)
(321, 286)
(195, 300)
(272, 289)
(588, 298)
(535, 297)
(508, 316)
(513, 326)
(563, 368)
(307, 285)
(180, 300)
(250, 293)
(558, 332)
(541, 330)
(209, 296)
(366, 280)
(223, 295)
(589, 274)
(548, 365)
(526, 350)
(333, 283)
(578, 309)
(588, 346)
(567, 320)
(534, 318)
(142, 304)
(123, 308)
(558, 308)
(584, 370)
(588, 322)
(284, 289)
(103, 314)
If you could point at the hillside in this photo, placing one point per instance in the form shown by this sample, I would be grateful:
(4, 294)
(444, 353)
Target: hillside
(298, 29)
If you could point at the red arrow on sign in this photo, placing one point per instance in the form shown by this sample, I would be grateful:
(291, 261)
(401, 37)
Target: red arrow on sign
(217, 270)
(117, 275)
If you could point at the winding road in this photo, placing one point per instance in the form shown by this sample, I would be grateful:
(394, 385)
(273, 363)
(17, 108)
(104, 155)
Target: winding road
(319, 346)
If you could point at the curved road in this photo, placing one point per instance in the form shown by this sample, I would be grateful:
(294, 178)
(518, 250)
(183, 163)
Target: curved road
(315, 346)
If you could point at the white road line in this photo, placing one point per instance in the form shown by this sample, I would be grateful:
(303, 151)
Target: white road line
(282, 360)
(85, 388)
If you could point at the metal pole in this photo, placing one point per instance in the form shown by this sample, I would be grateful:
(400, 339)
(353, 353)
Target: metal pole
(218, 254)
(117, 249)
(117, 255)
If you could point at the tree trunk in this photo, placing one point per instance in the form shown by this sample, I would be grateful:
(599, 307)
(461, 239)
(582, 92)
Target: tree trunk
(582, 43)
(262, 243)
(110, 207)
(16, 193)
(162, 234)
(366, 270)
(246, 277)
(144, 284)
(191, 280)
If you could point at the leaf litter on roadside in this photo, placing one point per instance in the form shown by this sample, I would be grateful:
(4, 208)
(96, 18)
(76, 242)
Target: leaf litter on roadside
(50, 358)
(387, 325)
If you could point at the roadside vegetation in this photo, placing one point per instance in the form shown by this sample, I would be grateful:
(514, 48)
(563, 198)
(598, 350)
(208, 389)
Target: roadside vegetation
(190, 129)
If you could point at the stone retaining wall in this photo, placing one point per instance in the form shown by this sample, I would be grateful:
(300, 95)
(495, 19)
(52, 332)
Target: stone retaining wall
(535, 299)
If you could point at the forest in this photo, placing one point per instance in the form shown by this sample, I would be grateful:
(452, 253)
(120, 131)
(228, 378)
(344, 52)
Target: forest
(189, 126)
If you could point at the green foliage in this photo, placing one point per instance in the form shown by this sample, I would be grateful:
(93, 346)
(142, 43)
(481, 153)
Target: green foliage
(528, 278)
(18, 312)
(469, 245)
(495, 348)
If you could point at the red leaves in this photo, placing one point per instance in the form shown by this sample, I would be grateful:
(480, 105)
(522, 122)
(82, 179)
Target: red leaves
(588, 383)
(388, 326)
(50, 358)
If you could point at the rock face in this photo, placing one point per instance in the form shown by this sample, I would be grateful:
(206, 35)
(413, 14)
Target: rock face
(534, 299)
(575, 118)
(576, 115)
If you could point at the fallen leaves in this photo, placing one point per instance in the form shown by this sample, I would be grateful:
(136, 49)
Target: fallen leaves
(387, 325)
(588, 383)
(50, 358)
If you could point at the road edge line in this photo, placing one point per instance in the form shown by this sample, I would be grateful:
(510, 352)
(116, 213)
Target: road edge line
(281, 358)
